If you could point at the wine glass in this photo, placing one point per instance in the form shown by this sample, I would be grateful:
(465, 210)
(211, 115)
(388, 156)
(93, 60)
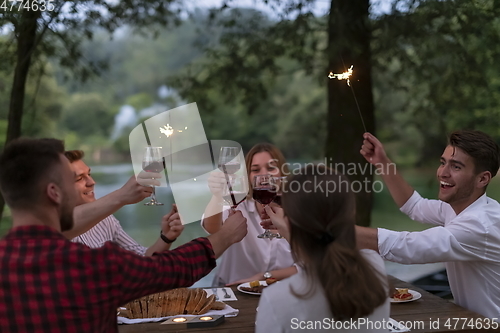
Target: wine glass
(153, 161)
(229, 160)
(264, 191)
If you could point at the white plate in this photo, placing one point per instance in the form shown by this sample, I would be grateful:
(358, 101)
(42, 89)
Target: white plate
(416, 295)
(247, 285)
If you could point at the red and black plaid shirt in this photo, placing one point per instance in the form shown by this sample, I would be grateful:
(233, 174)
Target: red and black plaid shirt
(49, 284)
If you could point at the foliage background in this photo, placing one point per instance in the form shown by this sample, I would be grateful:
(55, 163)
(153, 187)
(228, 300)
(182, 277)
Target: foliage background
(435, 68)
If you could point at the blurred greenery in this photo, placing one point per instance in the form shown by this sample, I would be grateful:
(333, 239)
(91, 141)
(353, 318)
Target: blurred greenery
(436, 68)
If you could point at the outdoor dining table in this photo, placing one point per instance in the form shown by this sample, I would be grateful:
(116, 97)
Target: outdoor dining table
(430, 313)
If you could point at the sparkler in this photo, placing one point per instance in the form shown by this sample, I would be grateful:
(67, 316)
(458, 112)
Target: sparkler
(342, 76)
(168, 131)
(346, 76)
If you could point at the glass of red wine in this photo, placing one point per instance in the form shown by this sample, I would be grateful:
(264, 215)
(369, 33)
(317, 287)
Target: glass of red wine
(264, 191)
(153, 161)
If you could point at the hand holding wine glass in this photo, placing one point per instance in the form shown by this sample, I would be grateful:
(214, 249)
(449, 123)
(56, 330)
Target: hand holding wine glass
(278, 220)
(153, 161)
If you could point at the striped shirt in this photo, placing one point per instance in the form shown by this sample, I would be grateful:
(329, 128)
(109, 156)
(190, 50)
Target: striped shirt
(109, 230)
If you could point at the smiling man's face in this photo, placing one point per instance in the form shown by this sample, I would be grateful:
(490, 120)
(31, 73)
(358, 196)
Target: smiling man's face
(457, 178)
(84, 184)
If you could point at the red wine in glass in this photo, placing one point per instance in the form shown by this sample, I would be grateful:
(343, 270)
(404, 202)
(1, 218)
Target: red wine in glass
(153, 167)
(264, 195)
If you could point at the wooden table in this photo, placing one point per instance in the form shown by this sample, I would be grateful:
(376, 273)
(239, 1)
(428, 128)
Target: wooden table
(433, 313)
(428, 314)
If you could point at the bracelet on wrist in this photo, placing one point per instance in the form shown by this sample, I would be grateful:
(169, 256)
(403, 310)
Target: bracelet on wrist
(165, 239)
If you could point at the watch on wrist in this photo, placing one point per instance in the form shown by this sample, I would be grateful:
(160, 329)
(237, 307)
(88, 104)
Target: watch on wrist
(267, 275)
(165, 239)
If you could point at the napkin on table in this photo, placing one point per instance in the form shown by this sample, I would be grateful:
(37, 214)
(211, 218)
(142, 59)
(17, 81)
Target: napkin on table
(220, 294)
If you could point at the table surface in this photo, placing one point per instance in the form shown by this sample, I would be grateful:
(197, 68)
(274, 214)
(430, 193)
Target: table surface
(428, 314)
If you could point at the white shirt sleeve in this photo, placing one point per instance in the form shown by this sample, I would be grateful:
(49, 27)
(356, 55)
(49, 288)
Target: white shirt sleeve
(463, 240)
(425, 210)
(121, 238)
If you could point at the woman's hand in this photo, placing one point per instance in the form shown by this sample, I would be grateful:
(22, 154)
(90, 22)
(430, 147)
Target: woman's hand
(278, 220)
(216, 183)
(256, 277)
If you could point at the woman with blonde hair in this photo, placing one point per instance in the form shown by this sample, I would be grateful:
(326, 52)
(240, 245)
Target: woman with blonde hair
(337, 283)
(253, 258)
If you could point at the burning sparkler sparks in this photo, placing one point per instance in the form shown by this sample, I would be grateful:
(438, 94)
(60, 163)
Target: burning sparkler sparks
(346, 76)
(167, 130)
(342, 76)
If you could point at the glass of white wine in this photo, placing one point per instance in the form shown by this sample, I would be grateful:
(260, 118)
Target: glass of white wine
(153, 161)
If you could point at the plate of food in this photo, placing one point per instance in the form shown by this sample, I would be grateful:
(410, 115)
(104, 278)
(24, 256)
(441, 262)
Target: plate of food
(403, 295)
(252, 288)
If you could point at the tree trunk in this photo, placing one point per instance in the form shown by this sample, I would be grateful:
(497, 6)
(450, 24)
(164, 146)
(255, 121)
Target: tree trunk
(26, 32)
(349, 44)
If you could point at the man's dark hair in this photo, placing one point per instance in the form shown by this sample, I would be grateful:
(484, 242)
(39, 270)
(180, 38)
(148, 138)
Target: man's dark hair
(74, 155)
(25, 166)
(480, 146)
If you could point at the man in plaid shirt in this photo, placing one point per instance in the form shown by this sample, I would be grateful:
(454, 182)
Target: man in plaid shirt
(49, 284)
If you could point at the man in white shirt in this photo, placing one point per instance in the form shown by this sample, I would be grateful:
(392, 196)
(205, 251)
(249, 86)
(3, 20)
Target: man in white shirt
(94, 222)
(466, 235)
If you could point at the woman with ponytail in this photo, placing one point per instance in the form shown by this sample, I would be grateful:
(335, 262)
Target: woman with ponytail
(337, 284)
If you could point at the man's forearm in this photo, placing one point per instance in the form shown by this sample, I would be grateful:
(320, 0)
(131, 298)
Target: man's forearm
(400, 190)
(212, 217)
(220, 242)
(158, 246)
(88, 215)
(367, 238)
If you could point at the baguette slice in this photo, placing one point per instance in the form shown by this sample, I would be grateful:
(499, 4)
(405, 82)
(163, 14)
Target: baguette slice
(202, 296)
(192, 301)
(208, 303)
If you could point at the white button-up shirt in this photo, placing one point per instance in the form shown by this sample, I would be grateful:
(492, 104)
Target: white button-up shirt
(109, 230)
(469, 243)
(252, 255)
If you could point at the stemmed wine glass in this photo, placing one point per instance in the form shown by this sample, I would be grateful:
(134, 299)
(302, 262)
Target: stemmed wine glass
(153, 161)
(264, 191)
